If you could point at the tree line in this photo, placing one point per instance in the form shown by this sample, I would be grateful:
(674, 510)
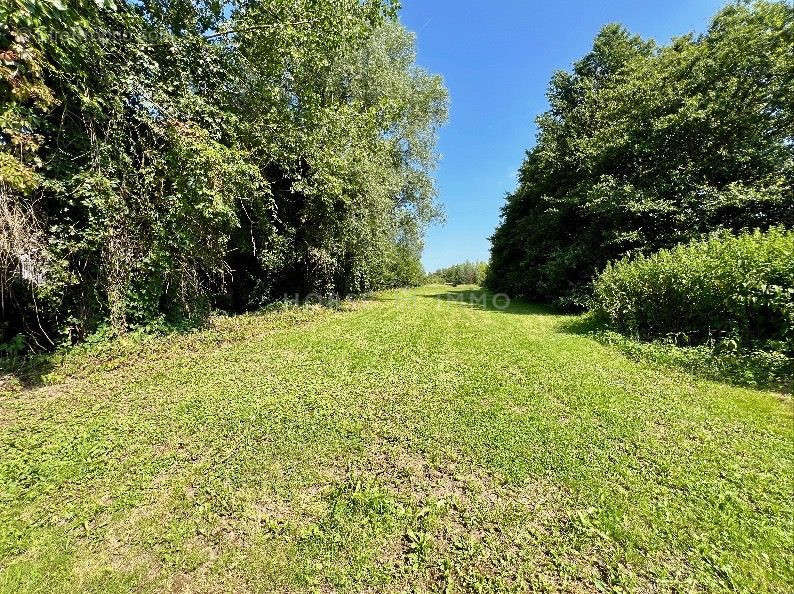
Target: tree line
(162, 159)
(467, 273)
(647, 146)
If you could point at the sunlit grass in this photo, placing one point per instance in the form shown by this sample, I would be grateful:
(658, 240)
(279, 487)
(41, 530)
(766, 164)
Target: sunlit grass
(417, 440)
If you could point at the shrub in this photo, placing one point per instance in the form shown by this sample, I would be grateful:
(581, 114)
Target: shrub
(403, 268)
(735, 293)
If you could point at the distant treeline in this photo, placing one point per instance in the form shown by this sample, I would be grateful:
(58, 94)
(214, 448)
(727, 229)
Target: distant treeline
(647, 146)
(468, 273)
(161, 159)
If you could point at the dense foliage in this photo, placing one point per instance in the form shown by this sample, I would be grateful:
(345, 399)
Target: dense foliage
(468, 273)
(158, 159)
(644, 147)
(734, 292)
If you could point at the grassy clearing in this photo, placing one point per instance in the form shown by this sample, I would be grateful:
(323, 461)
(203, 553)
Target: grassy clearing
(408, 443)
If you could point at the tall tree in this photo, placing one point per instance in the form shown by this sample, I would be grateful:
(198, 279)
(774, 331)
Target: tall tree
(644, 147)
(159, 158)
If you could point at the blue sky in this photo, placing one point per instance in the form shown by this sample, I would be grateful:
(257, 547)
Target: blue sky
(496, 58)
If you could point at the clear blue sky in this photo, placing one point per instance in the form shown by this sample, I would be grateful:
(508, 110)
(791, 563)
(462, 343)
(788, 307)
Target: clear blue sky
(496, 58)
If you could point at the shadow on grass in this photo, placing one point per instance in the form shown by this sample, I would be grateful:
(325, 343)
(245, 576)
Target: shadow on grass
(17, 374)
(747, 369)
(487, 301)
(582, 325)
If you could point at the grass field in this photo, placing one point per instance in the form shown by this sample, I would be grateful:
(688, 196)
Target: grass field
(405, 443)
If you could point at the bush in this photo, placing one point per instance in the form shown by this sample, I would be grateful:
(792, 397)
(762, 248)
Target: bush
(734, 293)
(403, 268)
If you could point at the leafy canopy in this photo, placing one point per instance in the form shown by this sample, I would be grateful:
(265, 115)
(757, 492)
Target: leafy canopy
(158, 159)
(646, 146)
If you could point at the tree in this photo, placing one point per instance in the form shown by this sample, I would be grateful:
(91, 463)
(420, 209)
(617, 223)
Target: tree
(161, 159)
(644, 147)
(467, 273)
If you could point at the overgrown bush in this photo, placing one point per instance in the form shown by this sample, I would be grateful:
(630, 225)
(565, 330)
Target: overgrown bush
(403, 268)
(735, 293)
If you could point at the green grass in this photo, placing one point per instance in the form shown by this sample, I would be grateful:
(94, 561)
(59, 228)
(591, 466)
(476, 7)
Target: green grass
(406, 443)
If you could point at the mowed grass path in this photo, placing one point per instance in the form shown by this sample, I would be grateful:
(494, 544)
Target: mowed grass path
(410, 443)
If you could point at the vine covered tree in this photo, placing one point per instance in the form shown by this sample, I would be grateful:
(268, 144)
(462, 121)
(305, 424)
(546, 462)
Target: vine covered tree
(159, 159)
